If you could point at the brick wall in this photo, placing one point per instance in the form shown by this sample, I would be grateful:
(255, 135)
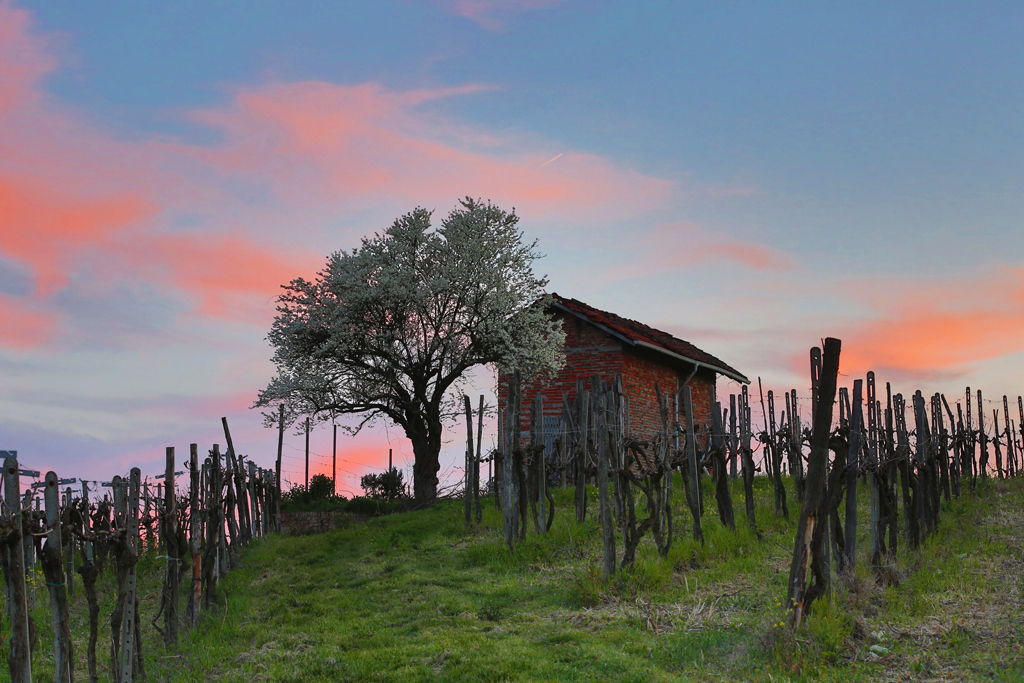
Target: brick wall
(589, 351)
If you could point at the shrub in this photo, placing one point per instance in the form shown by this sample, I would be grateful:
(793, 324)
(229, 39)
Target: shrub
(387, 485)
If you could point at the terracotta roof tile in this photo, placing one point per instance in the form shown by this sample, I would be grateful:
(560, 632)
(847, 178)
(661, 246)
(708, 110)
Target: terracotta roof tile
(635, 332)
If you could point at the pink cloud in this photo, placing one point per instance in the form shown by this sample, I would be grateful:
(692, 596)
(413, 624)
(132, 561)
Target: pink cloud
(673, 246)
(23, 58)
(21, 327)
(491, 14)
(74, 196)
(331, 143)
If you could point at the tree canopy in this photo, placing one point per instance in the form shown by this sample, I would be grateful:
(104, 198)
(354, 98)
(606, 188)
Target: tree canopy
(389, 328)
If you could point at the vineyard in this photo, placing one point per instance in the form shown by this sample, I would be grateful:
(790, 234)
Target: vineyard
(229, 503)
(887, 538)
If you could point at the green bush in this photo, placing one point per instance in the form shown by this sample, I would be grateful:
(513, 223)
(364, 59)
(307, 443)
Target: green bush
(387, 485)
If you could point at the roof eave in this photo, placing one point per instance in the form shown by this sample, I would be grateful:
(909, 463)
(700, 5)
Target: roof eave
(731, 374)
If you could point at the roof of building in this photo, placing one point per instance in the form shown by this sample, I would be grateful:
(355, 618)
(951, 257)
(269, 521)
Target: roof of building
(640, 335)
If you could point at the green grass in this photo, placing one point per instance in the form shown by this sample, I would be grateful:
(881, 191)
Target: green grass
(418, 597)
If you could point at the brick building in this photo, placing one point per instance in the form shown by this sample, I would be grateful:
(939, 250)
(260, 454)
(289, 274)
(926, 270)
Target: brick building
(602, 343)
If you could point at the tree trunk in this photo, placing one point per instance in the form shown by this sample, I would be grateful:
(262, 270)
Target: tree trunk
(426, 448)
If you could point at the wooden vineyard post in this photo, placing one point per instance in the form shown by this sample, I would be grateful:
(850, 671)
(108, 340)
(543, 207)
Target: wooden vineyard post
(615, 452)
(468, 497)
(128, 665)
(212, 566)
(476, 461)
(721, 480)
(19, 659)
(852, 470)
(663, 514)
(497, 481)
(1020, 423)
(241, 499)
(277, 471)
(602, 412)
(580, 439)
(564, 439)
(747, 454)
(89, 574)
(995, 442)
(971, 441)
(766, 459)
(807, 558)
(922, 493)
(52, 558)
(540, 462)
(954, 465)
(1011, 461)
(941, 444)
(911, 520)
(892, 472)
(983, 440)
(171, 580)
(195, 529)
(510, 496)
(545, 501)
(253, 510)
(734, 439)
(776, 458)
(226, 479)
(796, 456)
(69, 550)
(691, 451)
(877, 524)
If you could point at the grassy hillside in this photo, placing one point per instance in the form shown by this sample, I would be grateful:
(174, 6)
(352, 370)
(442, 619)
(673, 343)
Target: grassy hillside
(416, 596)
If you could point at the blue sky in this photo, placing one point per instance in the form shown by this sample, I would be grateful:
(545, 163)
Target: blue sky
(749, 176)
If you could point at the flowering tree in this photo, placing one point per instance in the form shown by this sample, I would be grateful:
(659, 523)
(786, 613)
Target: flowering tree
(388, 329)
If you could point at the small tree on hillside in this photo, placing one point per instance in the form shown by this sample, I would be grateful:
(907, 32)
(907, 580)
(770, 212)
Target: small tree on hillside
(388, 329)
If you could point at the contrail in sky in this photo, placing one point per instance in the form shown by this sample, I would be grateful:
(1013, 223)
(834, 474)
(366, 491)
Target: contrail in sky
(549, 161)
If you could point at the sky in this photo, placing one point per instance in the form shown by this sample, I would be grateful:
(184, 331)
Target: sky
(749, 176)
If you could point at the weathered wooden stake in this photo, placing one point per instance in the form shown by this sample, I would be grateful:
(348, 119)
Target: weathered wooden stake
(19, 659)
(52, 558)
(807, 551)
(195, 533)
(277, 470)
(128, 665)
(722, 495)
(173, 552)
(746, 434)
(603, 411)
(852, 470)
(468, 478)
(476, 460)
(696, 508)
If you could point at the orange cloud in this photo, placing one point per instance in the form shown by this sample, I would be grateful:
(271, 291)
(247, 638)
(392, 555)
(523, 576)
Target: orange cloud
(938, 328)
